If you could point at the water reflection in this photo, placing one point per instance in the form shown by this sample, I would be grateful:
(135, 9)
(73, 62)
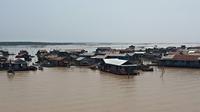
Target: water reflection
(119, 77)
(10, 76)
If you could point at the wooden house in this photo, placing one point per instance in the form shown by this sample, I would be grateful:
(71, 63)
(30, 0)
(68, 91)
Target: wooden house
(181, 60)
(118, 66)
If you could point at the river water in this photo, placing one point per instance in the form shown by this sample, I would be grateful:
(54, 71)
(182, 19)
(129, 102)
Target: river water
(79, 89)
(83, 90)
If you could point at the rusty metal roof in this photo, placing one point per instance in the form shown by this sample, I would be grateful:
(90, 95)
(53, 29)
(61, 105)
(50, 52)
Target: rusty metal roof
(183, 57)
(55, 58)
(186, 57)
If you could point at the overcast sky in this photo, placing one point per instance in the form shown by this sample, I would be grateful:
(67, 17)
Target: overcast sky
(100, 20)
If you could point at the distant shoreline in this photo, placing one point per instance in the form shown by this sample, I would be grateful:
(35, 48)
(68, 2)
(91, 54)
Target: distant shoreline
(49, 43)
(78, 43)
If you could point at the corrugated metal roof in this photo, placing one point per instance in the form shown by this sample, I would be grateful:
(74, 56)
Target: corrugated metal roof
(54, 58)
(20, 61)
(115, 61)
(137, 53)
(186, 57)
(182, 57)
(130, 54)
(80, 58)
(74, 50)
(87, 54)
(168, 57)
(116, 54)
(99, 57)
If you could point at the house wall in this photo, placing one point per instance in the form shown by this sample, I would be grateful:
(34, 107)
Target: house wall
(135, 59)
(121, 70)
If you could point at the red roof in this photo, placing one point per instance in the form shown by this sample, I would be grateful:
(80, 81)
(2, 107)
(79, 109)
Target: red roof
(186, 57)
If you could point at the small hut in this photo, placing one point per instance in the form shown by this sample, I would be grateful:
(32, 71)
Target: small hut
(84, 61)
(19, 65)
(2, 62)
(118, 66)
(55, 61)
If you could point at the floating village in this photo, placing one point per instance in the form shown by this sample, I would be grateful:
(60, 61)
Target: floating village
(128, 61)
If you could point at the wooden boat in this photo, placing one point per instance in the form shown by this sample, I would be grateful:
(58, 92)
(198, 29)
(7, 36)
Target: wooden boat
(146, 68)
(93, 67)
(40, 68)
(11, 71)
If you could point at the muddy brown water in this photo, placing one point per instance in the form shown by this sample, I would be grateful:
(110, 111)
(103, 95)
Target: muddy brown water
(83, 90)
